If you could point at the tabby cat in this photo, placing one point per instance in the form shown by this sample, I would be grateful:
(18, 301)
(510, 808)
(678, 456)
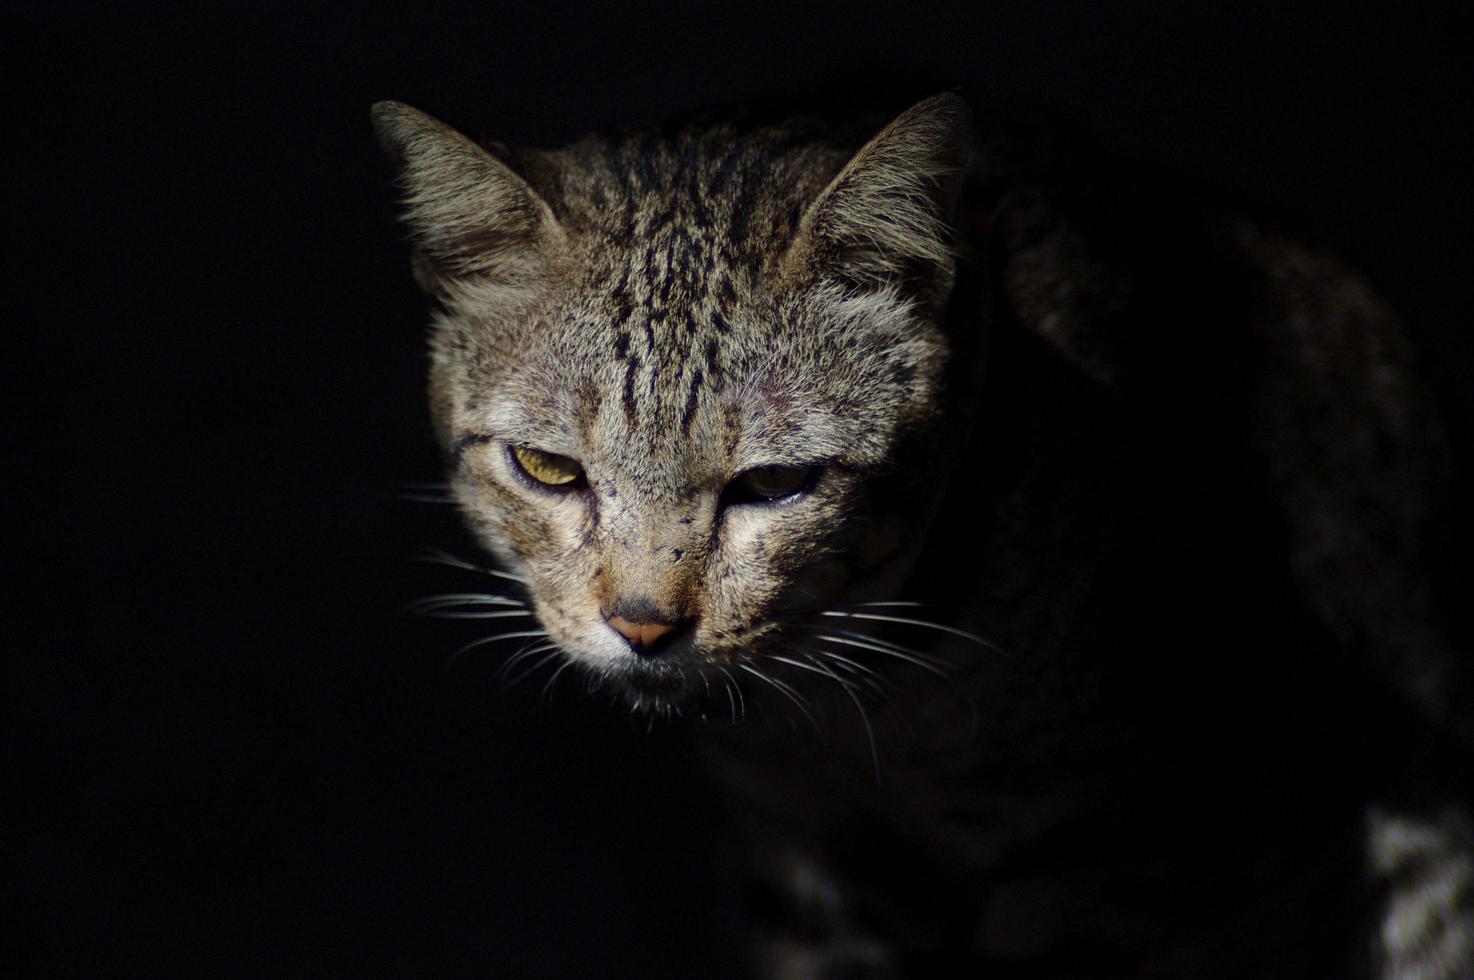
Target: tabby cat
(1082, 527)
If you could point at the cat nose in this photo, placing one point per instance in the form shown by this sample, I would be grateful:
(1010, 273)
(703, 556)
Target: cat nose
(642, 635)
(641, 623)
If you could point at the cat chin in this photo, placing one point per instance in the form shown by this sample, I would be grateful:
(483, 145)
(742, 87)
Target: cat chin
(664, 689)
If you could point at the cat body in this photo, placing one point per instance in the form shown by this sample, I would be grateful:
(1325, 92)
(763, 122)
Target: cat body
(731, 393)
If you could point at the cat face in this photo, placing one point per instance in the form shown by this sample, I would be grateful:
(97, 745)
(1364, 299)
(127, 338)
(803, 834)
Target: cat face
(668, 378)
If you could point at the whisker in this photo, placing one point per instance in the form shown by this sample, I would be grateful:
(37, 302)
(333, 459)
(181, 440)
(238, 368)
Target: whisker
(878, 684)
(547, 655)
(461, 599)
(548, 687)
(916, 622)
(888, 650)
(877, 681)
(518, 613)
(930, 664)
(786, 691)
(529, 649)
(458, 606)
(737, 689)
(864, 716)
(455, 657)
(731, 701)
(801, 612)
(438, 557)
(519, 634)
(795, 663)
(940, 663)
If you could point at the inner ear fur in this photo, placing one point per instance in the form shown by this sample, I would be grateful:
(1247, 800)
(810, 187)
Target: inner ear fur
(472, 218)
(886, 217)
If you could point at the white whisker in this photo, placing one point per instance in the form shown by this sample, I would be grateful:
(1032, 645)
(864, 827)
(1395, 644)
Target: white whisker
(547, 655)
(495, 639)
(875, 641)
(888, 650)
(795, 663)
(786, 691)
(737, 689)
(441, 558)
(731, 701)
(463, 599)
(529, 649)
(927, 624)
(864, 716)
(548, 687)
(876, 681)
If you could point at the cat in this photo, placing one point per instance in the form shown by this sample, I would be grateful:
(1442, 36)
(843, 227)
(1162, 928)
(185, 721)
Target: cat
(1081, 525)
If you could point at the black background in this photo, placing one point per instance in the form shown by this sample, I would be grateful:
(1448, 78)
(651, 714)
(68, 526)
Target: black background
(225, 752)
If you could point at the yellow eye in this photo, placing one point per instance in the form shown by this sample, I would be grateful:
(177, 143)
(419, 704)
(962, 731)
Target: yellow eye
(767, 483)
(548, 468)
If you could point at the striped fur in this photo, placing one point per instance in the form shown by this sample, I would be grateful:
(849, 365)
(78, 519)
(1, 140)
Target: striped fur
(673, 307)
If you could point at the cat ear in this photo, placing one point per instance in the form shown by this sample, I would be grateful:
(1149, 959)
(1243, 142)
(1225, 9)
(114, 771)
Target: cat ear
(886, 216)
(473, 219)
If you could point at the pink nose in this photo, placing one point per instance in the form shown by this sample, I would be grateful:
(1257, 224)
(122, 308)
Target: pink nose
(641, 635)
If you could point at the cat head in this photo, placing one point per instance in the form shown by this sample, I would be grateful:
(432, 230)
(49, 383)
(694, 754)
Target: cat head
(673, 368)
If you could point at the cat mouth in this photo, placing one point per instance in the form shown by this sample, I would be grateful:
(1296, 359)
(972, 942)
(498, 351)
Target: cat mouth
(689, 678)
(664, 688)
(677, 686)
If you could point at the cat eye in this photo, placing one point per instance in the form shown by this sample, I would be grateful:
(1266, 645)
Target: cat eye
(765, 484)
(549, 469)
